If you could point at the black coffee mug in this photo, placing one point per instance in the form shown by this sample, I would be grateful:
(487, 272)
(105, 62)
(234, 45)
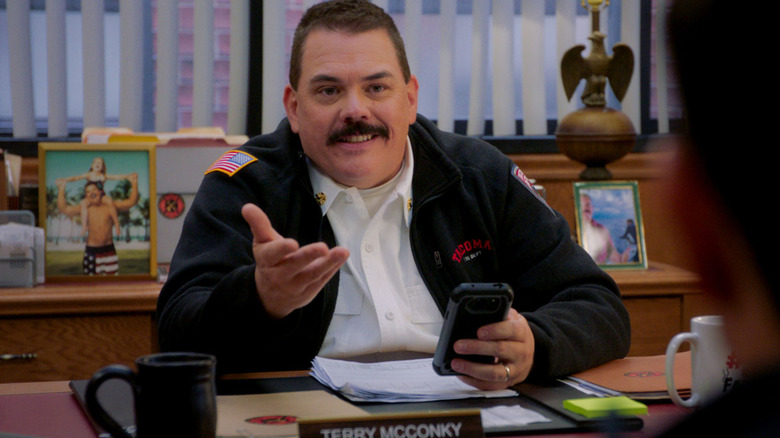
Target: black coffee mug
(174, 395)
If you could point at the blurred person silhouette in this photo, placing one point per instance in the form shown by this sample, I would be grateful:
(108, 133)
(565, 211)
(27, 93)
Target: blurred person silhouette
(725, 88)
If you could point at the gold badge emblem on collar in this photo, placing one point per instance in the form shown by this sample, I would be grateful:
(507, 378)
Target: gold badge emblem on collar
(409, 204)
(320, 198)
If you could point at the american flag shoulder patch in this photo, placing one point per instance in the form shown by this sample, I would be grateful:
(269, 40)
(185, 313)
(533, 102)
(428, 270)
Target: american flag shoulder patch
(231, 162)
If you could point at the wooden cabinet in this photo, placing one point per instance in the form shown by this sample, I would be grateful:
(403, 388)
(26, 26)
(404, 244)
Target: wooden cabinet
(76, 328)
(661, 301)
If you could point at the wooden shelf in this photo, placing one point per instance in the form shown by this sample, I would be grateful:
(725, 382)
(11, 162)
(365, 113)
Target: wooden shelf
(80, 298)
(659, 279)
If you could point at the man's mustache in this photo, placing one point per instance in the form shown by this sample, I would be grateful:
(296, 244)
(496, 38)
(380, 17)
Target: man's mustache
(358, 128)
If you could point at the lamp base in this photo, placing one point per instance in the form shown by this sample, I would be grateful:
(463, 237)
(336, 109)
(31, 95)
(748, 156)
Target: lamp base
(595, 136)
(595, 173)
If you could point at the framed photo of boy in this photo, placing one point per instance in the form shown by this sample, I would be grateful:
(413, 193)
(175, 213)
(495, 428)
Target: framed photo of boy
(609, 223)
(96, 206)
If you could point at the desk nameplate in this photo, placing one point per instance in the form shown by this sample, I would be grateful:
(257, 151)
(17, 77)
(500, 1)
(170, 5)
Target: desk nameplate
(450, 424)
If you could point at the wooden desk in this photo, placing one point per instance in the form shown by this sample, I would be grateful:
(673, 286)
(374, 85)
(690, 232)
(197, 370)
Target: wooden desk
(75, 328)
(49, 409)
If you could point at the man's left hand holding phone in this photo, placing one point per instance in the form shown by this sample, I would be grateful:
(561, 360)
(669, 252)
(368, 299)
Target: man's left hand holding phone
(510, 342)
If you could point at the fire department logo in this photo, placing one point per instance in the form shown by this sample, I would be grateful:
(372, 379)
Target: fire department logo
(171, 205)
(273, 420)
(520, 176)
(471, 249)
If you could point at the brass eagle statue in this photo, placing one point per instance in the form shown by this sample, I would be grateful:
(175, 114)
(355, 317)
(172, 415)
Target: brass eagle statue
(597, 68)
(596, 135)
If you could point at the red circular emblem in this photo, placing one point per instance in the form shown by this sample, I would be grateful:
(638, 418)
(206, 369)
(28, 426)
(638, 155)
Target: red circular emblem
(273, 420)
(171, 205)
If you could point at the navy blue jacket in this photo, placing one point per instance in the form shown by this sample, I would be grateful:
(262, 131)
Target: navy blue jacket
(472, 220)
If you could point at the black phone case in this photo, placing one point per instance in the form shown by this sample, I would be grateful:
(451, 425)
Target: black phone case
(471, 306)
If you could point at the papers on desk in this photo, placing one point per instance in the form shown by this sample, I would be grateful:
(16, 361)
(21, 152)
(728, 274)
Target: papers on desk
(497, 417)
(637, 377)
(394, 382)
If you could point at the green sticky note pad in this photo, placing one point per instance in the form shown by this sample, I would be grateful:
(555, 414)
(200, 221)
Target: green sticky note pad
(592, 407)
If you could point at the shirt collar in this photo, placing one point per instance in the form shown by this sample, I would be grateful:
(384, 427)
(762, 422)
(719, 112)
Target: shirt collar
(404, 187)
(326, 189)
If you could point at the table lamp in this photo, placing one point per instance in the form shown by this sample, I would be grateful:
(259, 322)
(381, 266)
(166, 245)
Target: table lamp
(596, 134)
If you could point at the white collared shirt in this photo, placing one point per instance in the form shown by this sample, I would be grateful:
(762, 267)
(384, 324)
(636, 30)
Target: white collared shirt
(383, 304)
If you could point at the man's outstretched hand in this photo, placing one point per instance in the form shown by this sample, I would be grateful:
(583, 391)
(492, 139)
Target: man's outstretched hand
(288, 276)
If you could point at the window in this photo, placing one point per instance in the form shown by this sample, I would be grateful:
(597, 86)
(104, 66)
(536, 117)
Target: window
(426, 44)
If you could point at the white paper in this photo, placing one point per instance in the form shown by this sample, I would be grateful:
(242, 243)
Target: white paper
(394, 381)
(507, 416)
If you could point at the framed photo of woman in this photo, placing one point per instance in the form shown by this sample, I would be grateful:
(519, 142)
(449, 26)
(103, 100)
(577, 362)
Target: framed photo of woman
(609, 223)
(95, 206)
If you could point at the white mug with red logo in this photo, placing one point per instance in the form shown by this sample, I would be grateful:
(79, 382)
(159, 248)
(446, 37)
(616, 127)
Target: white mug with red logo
(714, 368)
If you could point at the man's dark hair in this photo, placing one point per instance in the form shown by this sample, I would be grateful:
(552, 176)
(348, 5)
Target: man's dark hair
(723, 80)
(97, 186)
(350, 16)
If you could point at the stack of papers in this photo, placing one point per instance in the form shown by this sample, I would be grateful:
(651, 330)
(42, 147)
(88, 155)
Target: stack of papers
(394, 382)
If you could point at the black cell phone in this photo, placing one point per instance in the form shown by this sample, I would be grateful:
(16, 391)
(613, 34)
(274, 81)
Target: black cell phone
(471, 306)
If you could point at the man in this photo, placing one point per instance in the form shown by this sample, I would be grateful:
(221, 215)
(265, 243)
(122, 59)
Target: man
(597, 238)
(734, 255)
(414, 211)
(99, 253)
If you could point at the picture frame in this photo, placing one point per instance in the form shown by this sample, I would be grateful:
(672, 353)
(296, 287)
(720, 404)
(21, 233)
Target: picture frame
(117, 241)
(609, 223)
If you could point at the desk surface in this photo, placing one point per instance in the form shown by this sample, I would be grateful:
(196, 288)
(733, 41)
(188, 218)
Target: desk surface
(49, 409)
